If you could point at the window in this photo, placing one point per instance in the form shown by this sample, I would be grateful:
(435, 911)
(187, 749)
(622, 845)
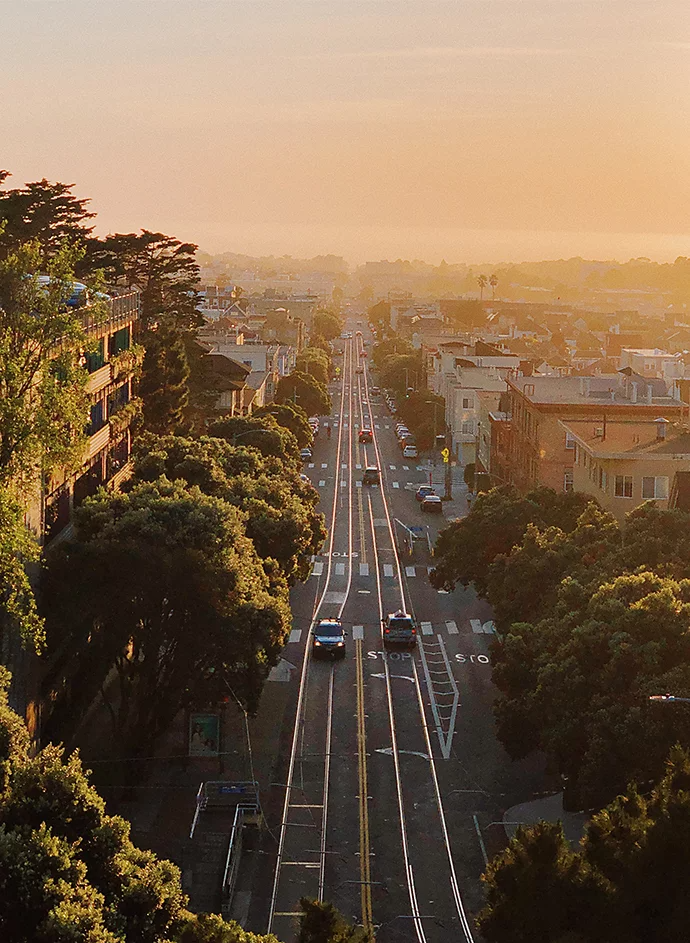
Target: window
(568, 480)
(654, 488)
(96, 420)
(569, 440)
(624, 486)
(119, 341)
(95, 359)
(466, 402)
(467, 427)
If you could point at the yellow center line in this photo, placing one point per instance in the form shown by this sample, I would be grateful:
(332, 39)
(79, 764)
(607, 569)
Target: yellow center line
(364, 845)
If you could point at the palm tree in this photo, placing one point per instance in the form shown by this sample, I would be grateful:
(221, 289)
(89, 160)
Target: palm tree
(482, 281)
(493, 281)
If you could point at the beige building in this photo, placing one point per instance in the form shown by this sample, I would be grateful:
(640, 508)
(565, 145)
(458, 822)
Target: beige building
(623, 463)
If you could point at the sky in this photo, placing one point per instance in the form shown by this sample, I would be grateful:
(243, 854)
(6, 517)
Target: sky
(470, 130)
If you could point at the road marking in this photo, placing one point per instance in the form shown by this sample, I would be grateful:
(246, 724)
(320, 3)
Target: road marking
(344, 465)
(410, 571)
(377, 426)
(295, 635)
(336, 598)
(482, 846)
(310, 465)
(324, 464)
(427, 628)
(388, 751)
(452, 627)
(358, 466)
(386, 427)
(343, 484)
(396, 484)
(406, 467)
(318, 568)
(358, 484)
(364, 569)
(357, 632)
(477, 627)
(340, 569)
(388, 569)
(392, 467)
(322, 483)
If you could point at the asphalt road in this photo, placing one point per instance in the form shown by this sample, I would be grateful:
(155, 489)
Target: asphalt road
(392, 780)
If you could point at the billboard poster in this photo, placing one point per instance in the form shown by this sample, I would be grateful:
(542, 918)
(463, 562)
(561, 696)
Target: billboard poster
(204, 734)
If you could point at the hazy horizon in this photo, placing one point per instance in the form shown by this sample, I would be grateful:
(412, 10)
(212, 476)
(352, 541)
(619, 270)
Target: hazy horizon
(483, 129)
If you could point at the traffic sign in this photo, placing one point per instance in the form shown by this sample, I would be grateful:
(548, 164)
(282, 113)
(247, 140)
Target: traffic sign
(446, 454)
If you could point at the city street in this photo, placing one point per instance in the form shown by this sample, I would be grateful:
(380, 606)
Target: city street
(391, 782)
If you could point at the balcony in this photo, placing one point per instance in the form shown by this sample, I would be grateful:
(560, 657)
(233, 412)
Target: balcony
(99, 379)
(98, 441)
(122, 310)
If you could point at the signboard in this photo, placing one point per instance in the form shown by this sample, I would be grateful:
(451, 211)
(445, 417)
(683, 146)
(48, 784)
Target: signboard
(204, 734)
(445, 454)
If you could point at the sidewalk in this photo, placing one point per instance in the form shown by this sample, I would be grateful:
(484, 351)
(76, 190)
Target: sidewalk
(548, 809)
(457, 506)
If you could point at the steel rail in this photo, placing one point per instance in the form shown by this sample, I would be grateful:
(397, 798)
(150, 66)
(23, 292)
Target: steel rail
(306, 658)
(457, 897)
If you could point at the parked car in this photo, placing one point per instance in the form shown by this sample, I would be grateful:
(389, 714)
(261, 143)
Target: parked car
(401, 430)
(432, 504)
(328, 639)
(375, 390)
(305, 455)
(366, 435)
(424, 491)
(372, 475)
(410, 451)
(399, 628)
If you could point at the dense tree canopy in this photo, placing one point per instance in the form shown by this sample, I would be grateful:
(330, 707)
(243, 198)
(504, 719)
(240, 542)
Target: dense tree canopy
(424, 415)
(306, 391)
(164, 583)
(46, 214)
(327, 324)
(629, 882)
(292, 417)
(263, 433)
(315, 362)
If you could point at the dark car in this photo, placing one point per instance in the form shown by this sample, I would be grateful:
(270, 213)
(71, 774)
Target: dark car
(432, 504)
(366, 435)
(371, 476)
(375, 390)
(424, 491)
(328, 639)
(359, 370)
(399, 628)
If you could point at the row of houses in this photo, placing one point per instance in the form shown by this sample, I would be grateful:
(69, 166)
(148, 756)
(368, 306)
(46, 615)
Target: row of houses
(617, 427)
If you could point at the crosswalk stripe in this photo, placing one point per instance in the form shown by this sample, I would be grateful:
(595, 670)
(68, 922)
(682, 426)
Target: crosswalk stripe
(295, 635)
(310, 465)
(357, 632)
(388, 569)
(324, 464)
(427, 628)
(396, 484)
(406, 467)
(477, 627)
(410, 571)
(452, 627)
(358, 466)
(322, 483)
(318, 568)
(377, 426)
(340, 569)
(364, 569)
(358, 484)
(392, 467)
(343, 484)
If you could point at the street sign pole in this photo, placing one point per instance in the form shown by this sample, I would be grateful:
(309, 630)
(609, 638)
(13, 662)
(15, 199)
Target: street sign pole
(445, 454)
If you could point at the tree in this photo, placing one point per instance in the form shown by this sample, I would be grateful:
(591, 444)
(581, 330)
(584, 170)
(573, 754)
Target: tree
(43, 400)
(315, 362)
(379, 316)
(399, 372)
(17, 548)
(262, 433)
(165, 584)
(291, 417)
(493, 281)
(304, 390)
(327, 323)
(482, 281)
(322, 923)
(628, 882)
(45, 214)
(164, 381)
(424, 415)
(281, 517)
(69, 873)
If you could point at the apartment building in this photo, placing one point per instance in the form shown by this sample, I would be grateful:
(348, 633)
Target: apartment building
(541, 450)
(111, 368)
(623, 463)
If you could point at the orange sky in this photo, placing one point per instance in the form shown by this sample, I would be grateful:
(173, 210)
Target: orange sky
(465, 129)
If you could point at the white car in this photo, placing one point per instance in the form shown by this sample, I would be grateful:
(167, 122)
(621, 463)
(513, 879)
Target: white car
(305, 455)
(410, 451)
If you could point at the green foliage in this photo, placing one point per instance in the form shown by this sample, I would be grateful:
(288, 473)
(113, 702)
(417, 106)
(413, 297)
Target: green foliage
(70, 872)
(43, 401)
(327, 324)
(497, 522)
(17, 548)
(164, 383)
(306, 391)
(164, 583)
(629, 882)
(322, 923)
(316, 362)
(292, 417)
(424, 415)
(379, 316)
(43, 213)
(262, 433)
(281, 519)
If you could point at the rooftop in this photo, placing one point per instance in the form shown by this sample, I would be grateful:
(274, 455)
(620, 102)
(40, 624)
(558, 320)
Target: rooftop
(636, 438)
(598, 390)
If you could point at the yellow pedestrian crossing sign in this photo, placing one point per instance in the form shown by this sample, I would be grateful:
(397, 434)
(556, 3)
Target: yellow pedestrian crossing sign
(446, 454)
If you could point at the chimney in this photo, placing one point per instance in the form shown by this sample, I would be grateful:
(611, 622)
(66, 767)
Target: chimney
(649, 394)
(661, 426)
(634, 392)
